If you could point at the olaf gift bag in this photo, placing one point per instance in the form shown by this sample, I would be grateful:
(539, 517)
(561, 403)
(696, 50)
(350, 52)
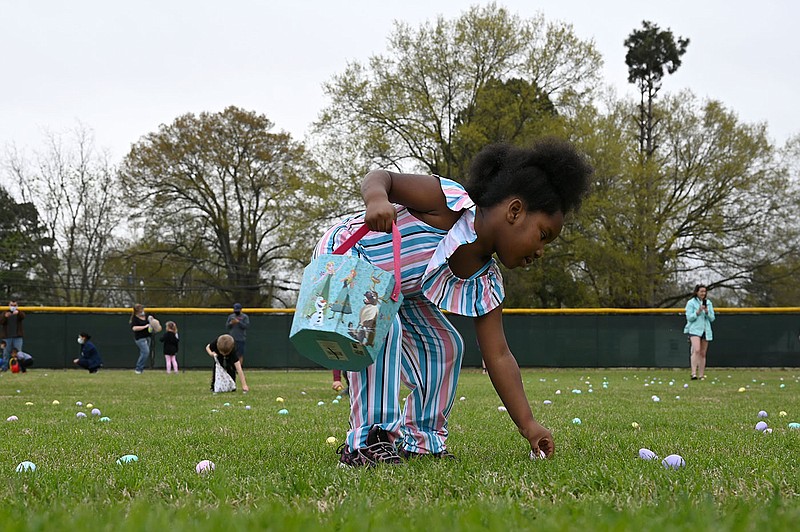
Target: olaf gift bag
(346, 307)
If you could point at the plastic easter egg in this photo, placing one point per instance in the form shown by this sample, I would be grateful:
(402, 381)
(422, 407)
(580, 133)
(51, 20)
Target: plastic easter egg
(576, 421)
(794, 426)
(12, 418)
(761, 426)
(501, 409)
(547, 402)
(540, 456)
(95, 411)
(462, 398)
(247, 407)
(204, 467)
(89, 405)
(80, 415)
(673, 461)
(105, 419)
(56, 402)
(742, 389)
(28, 403)
(321, 403)
(635, 425)
(647, 454)
(78, 403)
(283, 411)
(331, 440)
(128, 458)
(762, 414)
(655, 399)
(25, 467)
(279, 399)
(335, 402)
(782, 413)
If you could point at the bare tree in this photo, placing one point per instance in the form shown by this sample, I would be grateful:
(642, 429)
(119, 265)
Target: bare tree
(75, 190)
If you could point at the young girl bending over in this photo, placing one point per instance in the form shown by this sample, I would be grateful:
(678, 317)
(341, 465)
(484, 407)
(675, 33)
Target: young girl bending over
(513, 205)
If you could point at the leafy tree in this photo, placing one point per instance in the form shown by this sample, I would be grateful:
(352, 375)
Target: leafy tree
(409, 108)
(777, 283)
(75, 189)
(215, 192)
(651, 51)
(513, 111)
(703, 208)
(24, 247)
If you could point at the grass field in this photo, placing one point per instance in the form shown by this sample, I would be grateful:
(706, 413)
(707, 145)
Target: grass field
(276, 472)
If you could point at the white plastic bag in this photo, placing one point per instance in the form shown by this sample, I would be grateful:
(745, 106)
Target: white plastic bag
(155, 325)
(222, 381)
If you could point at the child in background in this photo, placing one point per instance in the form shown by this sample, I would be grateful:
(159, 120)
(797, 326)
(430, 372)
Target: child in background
(514, 204)
(224, 348)
(170, 341)
(90, 356)
(21, 359)
(338, 376)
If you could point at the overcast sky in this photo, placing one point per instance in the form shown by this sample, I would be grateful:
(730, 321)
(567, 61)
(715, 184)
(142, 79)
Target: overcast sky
(123, 68)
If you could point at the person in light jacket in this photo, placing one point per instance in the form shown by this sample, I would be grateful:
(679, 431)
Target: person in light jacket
(699, 317)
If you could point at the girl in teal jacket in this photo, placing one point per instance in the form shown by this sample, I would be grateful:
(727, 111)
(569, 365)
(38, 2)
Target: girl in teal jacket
(699, 317)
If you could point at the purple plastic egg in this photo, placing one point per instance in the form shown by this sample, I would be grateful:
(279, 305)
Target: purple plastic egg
(673, 461)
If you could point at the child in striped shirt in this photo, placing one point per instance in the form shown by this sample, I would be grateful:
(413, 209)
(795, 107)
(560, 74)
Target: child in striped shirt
(513, 205)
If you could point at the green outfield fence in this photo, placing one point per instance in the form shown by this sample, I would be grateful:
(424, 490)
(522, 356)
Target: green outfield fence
(743, 337)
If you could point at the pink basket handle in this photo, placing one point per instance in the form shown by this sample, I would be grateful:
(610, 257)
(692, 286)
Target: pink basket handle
(359, 234)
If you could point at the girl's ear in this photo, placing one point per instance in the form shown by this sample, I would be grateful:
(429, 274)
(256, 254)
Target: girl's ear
(514, 208)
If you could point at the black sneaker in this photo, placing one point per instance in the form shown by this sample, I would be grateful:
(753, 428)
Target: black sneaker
(694, 377)
(410, 455)
(352, 457)
(379, 450)
(380, 447)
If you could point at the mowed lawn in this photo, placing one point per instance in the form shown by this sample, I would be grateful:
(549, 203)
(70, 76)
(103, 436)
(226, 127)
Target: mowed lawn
(277, 472)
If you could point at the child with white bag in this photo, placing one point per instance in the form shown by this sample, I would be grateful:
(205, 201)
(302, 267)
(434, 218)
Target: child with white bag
(226, 365)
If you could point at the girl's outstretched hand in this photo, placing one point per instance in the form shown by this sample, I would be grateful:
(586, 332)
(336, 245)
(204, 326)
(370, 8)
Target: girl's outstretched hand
(541, 440)
(380, 215)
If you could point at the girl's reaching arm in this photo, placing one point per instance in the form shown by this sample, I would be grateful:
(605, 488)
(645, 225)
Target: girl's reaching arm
(421, 194)
(507, 381)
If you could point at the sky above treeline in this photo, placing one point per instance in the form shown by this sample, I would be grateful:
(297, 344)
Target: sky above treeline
(120, 69)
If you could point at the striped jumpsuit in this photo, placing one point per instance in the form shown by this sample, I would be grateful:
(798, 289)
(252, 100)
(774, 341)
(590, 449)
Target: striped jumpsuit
(423, 350)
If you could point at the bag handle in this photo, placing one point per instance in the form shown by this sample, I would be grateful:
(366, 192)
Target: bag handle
(359, 234)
